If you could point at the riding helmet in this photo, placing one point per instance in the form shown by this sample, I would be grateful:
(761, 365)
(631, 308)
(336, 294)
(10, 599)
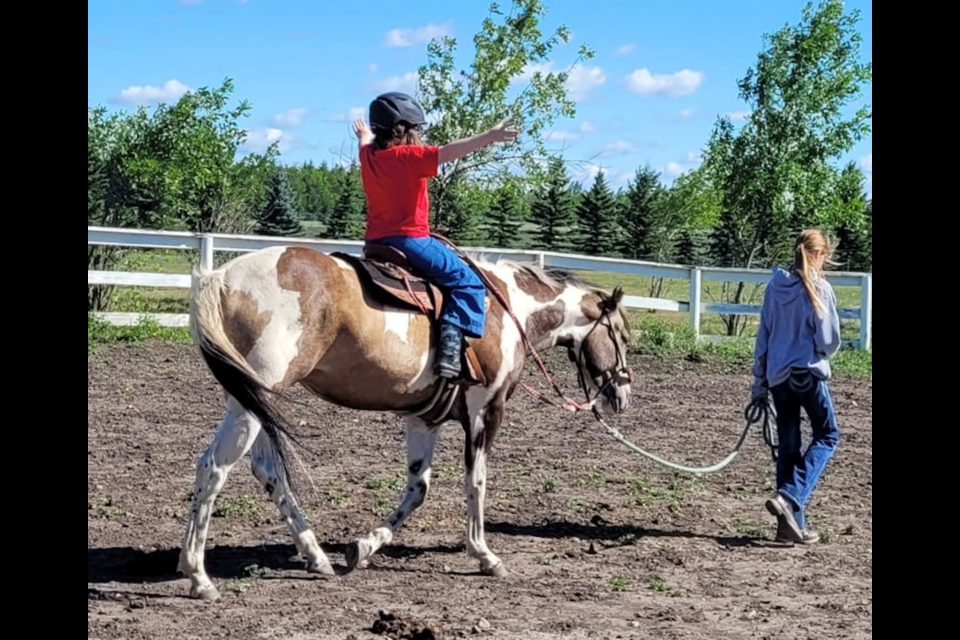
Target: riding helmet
(393, 107)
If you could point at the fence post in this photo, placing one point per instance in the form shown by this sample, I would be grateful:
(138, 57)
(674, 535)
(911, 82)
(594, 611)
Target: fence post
(206, 252)
(866, 312)
(696, 278)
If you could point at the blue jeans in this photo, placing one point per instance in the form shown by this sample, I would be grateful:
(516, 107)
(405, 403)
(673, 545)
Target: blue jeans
(464, 292)
(797, 474)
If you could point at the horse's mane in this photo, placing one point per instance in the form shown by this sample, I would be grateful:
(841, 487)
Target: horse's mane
(553, 277)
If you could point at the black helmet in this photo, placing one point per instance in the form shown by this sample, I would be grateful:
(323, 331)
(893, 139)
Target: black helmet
(388, 109)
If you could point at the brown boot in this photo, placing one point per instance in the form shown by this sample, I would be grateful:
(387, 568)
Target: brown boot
(787, 528)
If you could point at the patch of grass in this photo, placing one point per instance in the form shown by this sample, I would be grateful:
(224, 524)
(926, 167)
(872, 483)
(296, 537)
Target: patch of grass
(748, 527)
(394, 484)
(104, 508)
(337, 498)
(545, 559)
(244, 506)
(445, 471)
(619, 583)
(102, 332)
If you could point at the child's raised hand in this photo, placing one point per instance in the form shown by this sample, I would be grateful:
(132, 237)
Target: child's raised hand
(360, 128)
(504, 131)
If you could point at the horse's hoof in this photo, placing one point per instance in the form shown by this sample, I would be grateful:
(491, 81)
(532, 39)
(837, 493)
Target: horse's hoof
(351, 556)
(496, 571)
(209, 594)
(323, 568)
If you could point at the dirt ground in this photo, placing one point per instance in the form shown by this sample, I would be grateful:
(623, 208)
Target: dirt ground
(599, 542)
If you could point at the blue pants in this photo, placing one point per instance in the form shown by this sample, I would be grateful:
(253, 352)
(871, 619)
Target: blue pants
(797, 474)
(464, 292)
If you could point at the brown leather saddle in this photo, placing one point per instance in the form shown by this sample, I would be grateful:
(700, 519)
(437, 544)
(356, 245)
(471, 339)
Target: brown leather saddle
(388, 278)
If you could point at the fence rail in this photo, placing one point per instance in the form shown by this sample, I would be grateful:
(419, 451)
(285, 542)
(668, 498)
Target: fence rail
(208, 244)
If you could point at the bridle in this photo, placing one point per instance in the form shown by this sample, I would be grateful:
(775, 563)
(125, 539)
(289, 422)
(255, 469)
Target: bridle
(617, 375)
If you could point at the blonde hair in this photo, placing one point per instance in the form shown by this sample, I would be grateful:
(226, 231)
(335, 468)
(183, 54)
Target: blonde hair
(402, 133)
(810, 241)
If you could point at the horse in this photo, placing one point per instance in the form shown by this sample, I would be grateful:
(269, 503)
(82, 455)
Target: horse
(360, 332)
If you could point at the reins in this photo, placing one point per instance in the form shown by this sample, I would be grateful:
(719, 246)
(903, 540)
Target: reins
(758, 410)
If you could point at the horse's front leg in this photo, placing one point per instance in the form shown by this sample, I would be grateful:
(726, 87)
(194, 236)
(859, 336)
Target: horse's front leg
(480, 428)
(421, 442)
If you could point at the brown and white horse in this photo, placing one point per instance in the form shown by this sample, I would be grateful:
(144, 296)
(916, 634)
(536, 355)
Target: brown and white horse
(281, 316)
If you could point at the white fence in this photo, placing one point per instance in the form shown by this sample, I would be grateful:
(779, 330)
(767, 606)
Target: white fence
(207, 244)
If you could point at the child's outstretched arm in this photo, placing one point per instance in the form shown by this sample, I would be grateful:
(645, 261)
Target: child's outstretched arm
(362, 131)
(501, 132)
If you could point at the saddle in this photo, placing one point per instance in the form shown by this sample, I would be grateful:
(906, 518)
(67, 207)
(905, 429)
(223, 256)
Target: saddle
(388, 277)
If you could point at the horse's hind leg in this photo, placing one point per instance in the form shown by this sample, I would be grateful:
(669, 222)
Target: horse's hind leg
(234, 438)
(421, 442)
(264, 464)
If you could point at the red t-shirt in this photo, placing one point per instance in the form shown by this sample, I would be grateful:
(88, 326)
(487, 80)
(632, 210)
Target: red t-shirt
(395, 182)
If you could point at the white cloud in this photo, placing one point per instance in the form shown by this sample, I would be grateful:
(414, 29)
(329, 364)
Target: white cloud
(624, 50)
(865, 164)
(259, 140)
(587, 127)
(579, 81)
(135, 95)
(738, 116)
(587, 172)
(582, 79)
(410, 37)
(674, 169)
(680, 83)
(406, 83)
(292, 118)
(684, 114)
(618, 147)
(558, 136)
(350, 116)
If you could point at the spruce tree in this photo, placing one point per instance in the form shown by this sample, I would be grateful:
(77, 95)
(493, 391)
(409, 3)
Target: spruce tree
(597, 220)
(280, 216)
(553, 211)
(505, 219)
(638, 213)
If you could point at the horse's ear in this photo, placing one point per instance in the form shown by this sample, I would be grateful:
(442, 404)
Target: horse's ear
(611, 303)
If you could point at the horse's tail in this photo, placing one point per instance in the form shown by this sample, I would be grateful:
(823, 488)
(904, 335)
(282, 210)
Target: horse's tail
(230, 368)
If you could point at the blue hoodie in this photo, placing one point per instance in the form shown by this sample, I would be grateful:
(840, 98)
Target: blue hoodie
(790, 333)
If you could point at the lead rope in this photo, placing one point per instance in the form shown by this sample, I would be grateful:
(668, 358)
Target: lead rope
(756, 411)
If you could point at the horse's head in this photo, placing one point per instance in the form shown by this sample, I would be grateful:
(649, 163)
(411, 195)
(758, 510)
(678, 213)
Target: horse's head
(600, 352)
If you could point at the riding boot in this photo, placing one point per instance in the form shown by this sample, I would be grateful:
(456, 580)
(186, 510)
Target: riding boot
(448, 351)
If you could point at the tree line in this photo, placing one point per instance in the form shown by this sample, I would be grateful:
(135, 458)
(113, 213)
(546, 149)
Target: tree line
(178, 166)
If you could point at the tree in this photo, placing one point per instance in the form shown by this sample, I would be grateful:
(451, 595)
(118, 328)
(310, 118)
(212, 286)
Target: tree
(349, 213)
(461, 103)
(553, 211)
(597, 219)
(506, 217)
(280, 216)
(774, 174)
(853, 251)
(174, 168)
(637, 213)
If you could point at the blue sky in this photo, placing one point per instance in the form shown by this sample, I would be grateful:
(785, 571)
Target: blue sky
(662, 74)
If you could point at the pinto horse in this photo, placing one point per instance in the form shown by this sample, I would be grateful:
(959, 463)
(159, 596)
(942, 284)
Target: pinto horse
(281, 316)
